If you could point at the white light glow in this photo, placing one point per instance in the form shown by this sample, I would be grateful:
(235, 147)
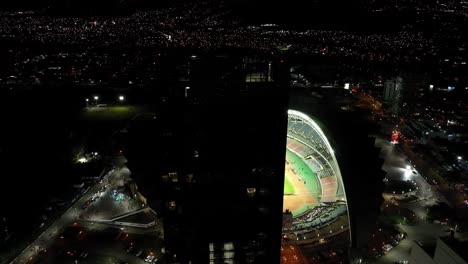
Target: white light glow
(331, 162)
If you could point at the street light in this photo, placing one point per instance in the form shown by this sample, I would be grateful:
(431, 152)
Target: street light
(121, 98)
(459, 158)
(87, 102)
(96, 98)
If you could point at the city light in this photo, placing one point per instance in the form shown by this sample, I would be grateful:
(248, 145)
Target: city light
(235, 107)
(395, 137)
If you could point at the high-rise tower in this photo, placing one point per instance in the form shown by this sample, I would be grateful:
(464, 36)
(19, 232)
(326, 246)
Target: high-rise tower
(219, 153)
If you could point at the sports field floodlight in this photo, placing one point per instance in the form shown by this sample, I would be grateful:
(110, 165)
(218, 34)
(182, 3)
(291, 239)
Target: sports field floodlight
(121, 98)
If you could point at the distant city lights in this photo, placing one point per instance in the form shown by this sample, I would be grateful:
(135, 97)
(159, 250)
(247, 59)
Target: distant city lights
(395, 137)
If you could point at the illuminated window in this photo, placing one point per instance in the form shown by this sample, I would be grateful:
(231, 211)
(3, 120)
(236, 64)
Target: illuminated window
(228, 246)
(190, 178)
(172, 205)
(251, 191)
(173, 176)
(165, 178)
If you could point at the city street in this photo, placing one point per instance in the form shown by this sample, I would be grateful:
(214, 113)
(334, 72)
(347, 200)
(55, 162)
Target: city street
(46, 238)
(398, 169)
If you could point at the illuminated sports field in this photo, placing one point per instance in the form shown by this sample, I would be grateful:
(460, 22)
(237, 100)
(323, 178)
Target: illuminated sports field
(288, 188)
(313, 187)
(301, 183)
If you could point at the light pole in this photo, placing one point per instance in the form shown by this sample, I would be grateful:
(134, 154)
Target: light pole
(121, 98)
(87, 102)
(96, 98)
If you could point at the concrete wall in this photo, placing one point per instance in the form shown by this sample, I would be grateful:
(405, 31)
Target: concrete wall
(445, 255)
(419, 256)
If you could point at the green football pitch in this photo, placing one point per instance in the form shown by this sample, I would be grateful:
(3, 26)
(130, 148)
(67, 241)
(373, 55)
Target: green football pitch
(299, 165)
(288, 188)
(112, 113)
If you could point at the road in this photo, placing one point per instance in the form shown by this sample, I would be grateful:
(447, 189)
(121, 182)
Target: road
(46, 238)
(396, 166)
(424, 232)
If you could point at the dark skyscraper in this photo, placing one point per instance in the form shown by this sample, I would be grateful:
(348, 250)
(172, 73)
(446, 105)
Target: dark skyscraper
(220, 160)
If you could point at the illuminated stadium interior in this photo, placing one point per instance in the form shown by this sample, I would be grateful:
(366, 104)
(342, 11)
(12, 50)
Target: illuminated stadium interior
(313, 188)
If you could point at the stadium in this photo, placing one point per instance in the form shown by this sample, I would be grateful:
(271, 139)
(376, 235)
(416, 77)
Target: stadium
(314, 201)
